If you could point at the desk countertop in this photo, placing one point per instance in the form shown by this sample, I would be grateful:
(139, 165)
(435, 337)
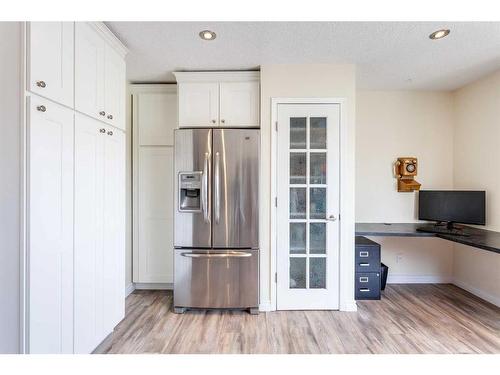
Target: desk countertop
(480, 238)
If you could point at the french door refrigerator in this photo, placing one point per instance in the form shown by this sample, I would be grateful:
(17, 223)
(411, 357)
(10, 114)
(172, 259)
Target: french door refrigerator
(216, 235)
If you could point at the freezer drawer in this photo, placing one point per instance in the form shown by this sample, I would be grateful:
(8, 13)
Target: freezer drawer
(216, 278)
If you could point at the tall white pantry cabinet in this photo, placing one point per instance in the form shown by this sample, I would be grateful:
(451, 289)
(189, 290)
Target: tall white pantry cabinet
(74, 259)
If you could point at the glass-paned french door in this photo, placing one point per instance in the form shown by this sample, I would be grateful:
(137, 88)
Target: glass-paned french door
(308, 206)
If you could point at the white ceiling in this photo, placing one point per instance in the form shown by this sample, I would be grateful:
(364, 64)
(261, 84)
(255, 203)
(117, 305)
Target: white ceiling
(387, 55)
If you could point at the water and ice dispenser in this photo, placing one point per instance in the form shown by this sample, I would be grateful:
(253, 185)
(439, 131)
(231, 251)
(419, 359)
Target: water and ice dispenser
(190, 191)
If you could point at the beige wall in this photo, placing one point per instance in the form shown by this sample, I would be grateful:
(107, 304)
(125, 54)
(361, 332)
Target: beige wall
(10, 200)
(390, 124)
(476, 158)
(304, 80)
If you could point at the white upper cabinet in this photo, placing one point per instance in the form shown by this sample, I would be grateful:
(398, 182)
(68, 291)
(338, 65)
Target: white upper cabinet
(199, 104)
(114, 87)
(212, 99)
(239, 104)
(99, 75)
(89, 71)
(50, 60)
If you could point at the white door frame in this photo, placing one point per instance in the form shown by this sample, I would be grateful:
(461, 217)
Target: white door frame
(346, 246)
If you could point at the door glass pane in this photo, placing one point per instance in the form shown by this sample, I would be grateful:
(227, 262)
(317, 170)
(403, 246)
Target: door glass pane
(317, 273)
(297, 132)
(297, 273)
(297, 203)
(297, 168)
(317, 166)
(317, 203)
(297, 238)
(317, 238)
(318, 132)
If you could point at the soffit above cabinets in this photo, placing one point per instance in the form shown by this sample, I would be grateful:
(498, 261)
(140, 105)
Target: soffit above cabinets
(387, 55)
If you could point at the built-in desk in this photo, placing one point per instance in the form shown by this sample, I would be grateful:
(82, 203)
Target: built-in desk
(480, 238)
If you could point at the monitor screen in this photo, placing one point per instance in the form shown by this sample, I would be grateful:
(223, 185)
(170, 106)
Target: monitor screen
(466, 207)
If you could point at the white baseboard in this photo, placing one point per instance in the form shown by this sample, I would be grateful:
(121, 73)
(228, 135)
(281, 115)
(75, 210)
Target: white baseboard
(266, 306)
(129, 289)
(154, 286)
(348, 306)
(478, 292)
(419, 279)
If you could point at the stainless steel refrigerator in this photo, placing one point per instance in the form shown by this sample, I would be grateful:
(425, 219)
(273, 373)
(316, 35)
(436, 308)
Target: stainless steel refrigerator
(216, 236)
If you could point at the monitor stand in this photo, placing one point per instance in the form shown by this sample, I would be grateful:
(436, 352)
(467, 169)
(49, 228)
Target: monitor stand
(443, 228)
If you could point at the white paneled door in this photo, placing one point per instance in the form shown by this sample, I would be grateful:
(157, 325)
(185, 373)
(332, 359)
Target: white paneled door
(50, 60)
(308, 206)
(50, 241)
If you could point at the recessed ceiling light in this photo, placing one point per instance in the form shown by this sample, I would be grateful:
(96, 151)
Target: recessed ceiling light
(439, 34)
(207, 35)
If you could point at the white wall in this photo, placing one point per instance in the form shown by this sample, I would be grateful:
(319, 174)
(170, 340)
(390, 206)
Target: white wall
(476, 158)
(390, 124)
(128, 190)
(306, 80)
(10, 141)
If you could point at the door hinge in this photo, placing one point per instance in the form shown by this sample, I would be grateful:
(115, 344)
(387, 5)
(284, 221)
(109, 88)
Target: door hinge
(276, 277)
(276, 125)
(275, 201)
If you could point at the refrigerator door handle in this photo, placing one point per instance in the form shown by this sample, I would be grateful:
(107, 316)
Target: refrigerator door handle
(217, 255)
(204, 195)
(217, 187)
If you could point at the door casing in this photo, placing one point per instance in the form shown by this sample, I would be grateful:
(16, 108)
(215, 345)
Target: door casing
(346, 245)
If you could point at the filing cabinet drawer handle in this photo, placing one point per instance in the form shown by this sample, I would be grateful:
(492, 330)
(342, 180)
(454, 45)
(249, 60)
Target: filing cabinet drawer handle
(363, 254)
(364, 290)
(363, 279)
(364, 264)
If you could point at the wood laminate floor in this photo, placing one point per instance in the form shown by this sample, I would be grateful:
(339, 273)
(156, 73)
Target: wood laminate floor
(417, 318)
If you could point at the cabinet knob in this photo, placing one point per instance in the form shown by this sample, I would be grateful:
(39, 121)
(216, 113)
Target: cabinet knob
(41, 84)
(213, 121)
(102, 113)
(110, 117)
(331, 218)
(41, 108)
(102, 130)
(223, 121)
(110, 133)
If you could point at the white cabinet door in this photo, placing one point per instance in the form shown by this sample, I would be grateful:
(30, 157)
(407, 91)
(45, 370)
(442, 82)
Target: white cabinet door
(50, 240)
(50, 60)
(89, 228)
(198, 104)
(155, 215)
(114, 88)
(154, 121)
(239, 104)
(114, 229)
(89, 71)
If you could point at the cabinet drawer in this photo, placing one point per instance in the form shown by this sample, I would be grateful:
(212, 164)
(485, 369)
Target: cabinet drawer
(367, 285)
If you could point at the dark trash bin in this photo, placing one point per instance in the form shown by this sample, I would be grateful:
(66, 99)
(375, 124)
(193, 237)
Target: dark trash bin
(384, 270)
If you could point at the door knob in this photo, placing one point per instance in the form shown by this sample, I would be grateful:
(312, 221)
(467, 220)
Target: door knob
(331, 218)
(110, 117)
(110, 133)
(102, 113)
(102, 130)
(41, 84)
(41, 108)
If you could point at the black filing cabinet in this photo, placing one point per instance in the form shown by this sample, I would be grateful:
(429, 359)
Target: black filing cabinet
(367, 272)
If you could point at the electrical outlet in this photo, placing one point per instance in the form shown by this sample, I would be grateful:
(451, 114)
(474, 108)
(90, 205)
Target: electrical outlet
(399, 258)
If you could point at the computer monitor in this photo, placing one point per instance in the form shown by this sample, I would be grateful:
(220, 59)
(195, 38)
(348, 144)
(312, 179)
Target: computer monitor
(466, 207)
